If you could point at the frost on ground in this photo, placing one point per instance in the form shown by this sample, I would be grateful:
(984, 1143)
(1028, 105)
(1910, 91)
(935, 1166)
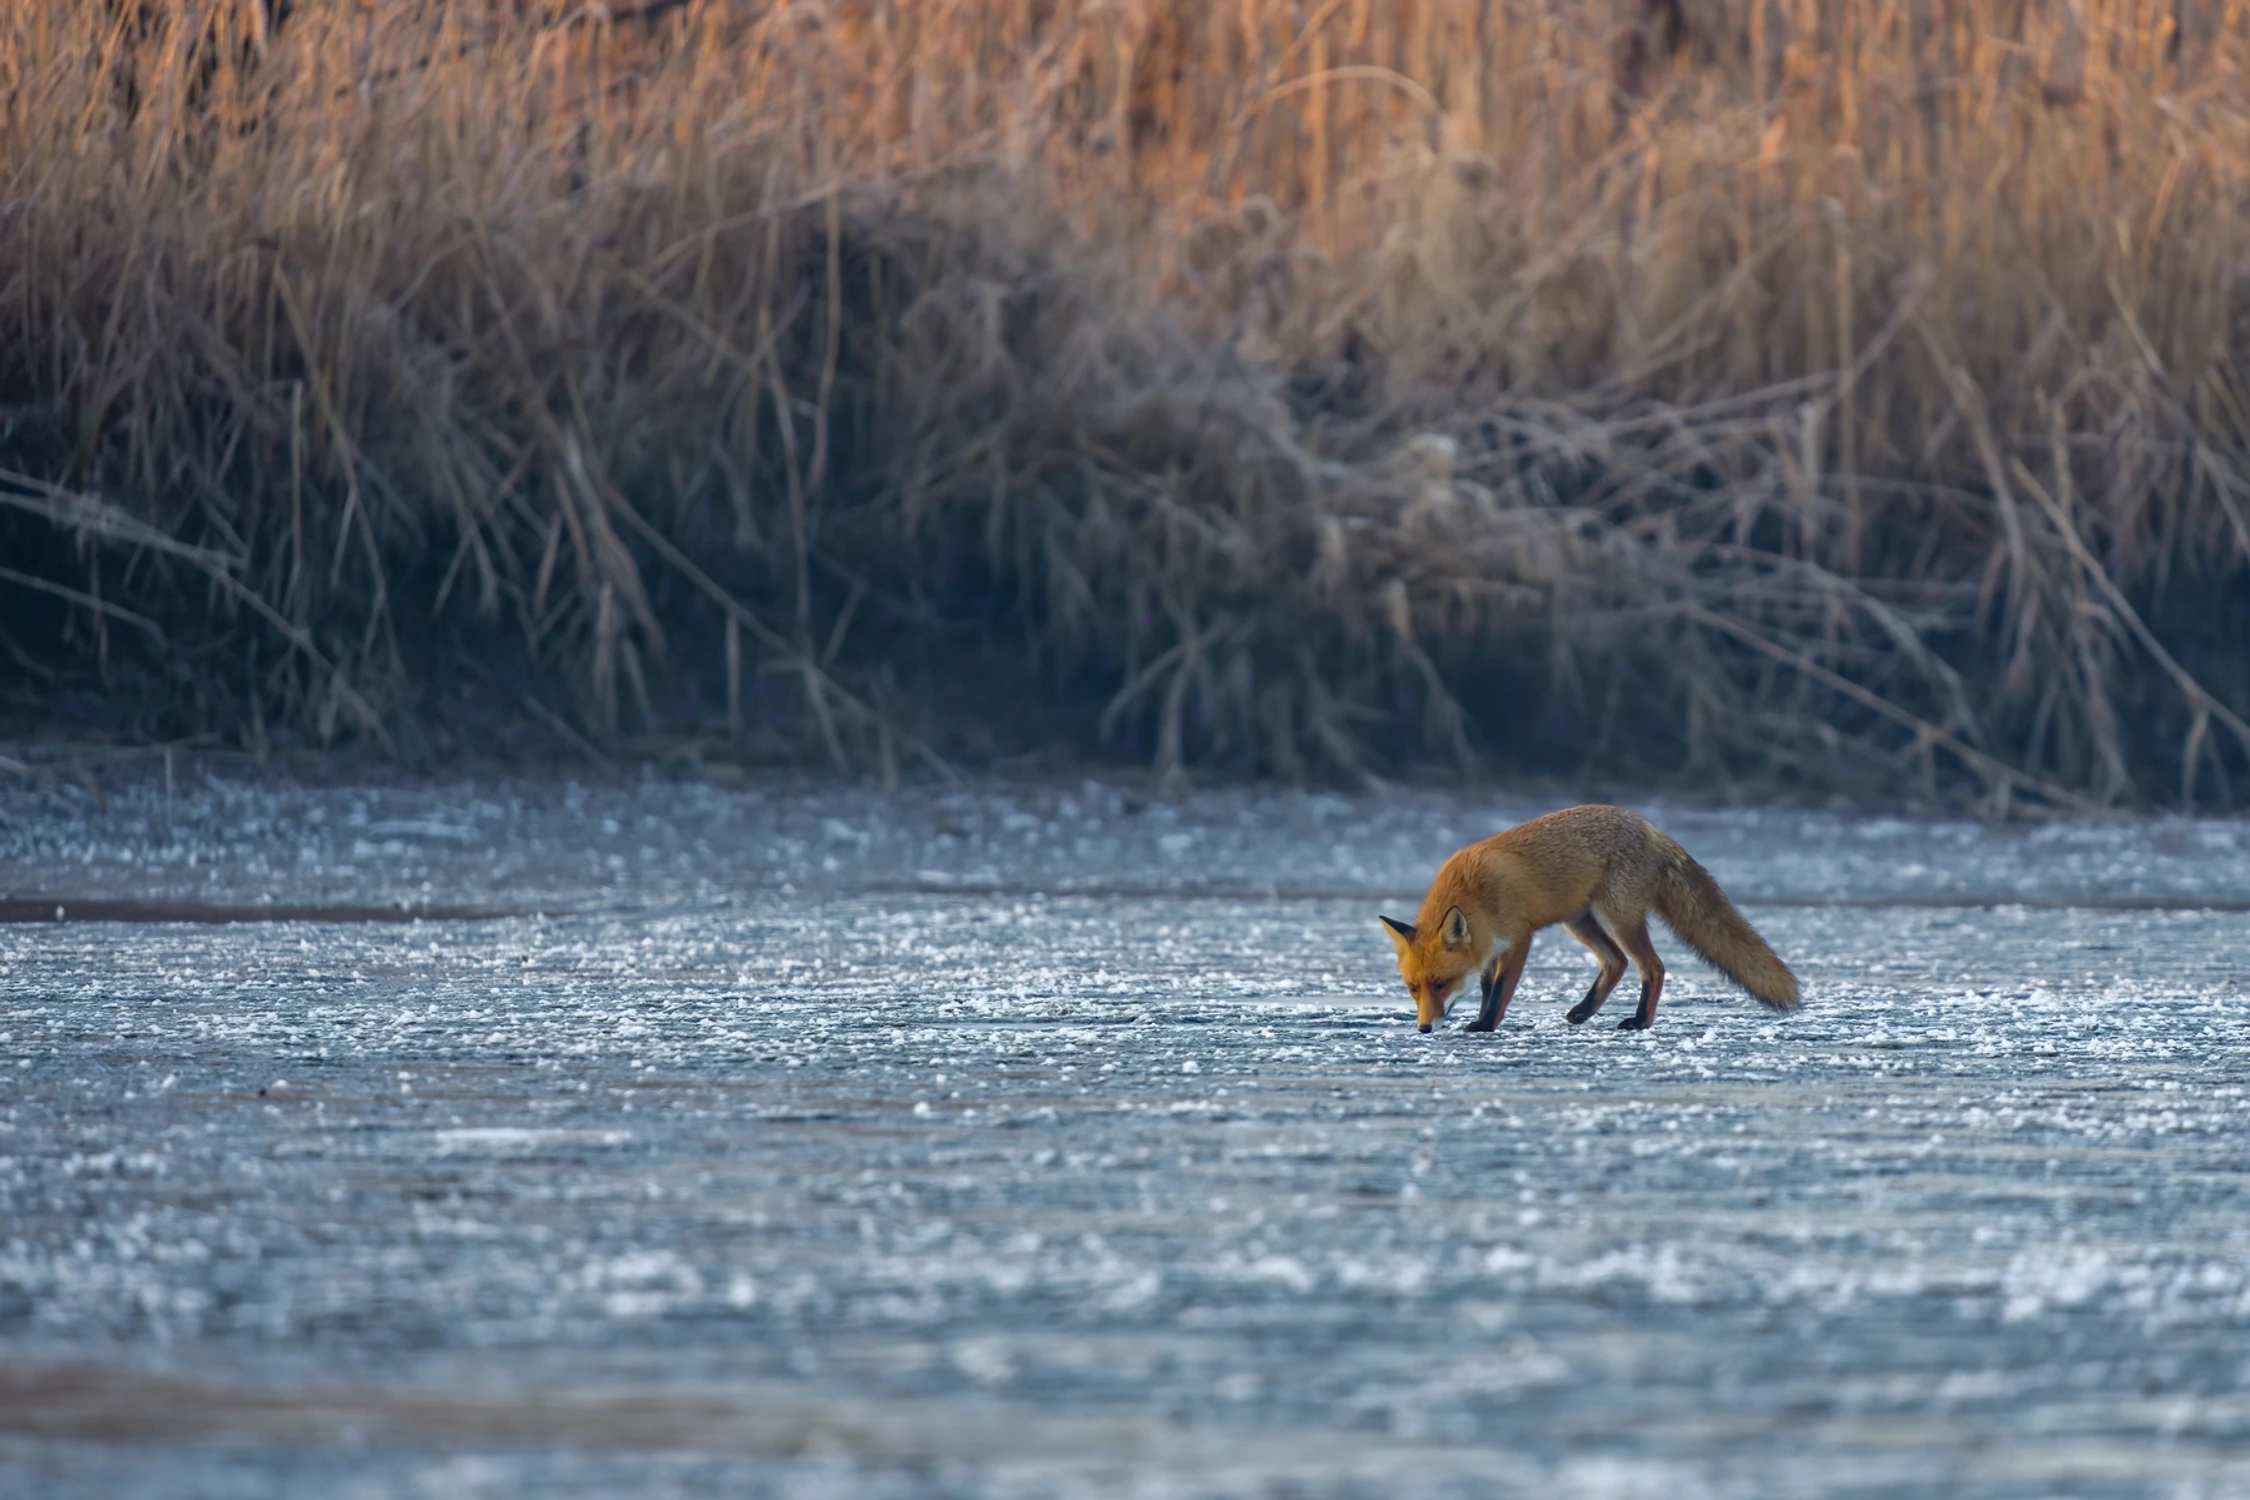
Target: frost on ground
(1073, 1140)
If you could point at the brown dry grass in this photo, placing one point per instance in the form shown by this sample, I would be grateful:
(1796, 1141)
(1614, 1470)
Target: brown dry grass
(1829, 388)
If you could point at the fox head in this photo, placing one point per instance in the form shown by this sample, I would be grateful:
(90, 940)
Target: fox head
(1433, 964)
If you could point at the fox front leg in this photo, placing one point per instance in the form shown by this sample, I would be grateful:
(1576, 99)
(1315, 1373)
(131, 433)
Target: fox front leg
(1499, 988)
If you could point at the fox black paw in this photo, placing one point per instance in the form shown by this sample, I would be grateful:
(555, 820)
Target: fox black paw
(1635, 1023)
(1579, 1015)
(1482, 1026)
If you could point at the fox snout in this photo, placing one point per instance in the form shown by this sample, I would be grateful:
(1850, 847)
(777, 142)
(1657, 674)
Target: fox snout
(1430, 1004)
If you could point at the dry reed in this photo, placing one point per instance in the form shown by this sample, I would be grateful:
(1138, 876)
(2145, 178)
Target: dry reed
(1817, 388)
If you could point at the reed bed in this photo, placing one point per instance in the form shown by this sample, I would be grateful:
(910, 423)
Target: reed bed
(1843, 392)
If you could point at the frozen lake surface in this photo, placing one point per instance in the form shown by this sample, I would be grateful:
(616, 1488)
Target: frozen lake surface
(1075, 1140)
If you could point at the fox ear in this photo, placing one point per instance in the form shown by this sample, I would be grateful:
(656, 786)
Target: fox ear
(1401, 933)
(1455, 929)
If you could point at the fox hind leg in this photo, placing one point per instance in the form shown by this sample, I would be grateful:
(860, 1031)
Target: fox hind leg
(1633, 938)
(1612, 959)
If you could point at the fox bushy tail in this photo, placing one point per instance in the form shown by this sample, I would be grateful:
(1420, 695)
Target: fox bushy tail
(1692, 905)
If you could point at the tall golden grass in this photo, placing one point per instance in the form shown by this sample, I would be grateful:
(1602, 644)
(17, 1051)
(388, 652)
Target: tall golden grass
(1845, 390)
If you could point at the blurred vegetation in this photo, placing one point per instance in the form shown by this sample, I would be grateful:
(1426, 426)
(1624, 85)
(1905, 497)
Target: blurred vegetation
(1821, 392)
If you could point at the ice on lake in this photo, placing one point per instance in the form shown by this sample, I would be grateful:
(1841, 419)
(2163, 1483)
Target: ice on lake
(1074, 1139)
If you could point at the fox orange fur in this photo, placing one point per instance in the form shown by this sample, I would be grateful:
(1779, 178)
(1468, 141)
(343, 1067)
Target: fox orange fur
(1599, 871)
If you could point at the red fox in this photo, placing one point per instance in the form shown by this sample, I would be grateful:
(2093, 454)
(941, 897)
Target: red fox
(1599, 871)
